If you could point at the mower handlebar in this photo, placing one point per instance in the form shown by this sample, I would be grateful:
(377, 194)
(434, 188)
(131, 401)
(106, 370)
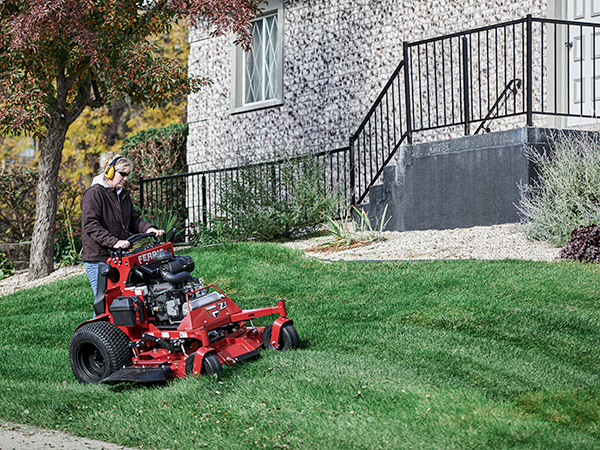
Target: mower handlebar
(131, 239)
(137, 237)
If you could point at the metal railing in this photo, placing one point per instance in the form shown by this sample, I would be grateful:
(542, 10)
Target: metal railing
(517, 69)
(508, 73)
(199, 193)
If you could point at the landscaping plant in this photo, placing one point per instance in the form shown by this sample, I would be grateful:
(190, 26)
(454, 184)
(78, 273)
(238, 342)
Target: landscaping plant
(271, 201)
(584, 245)
(219, 232)
(67, 238)
(566, 194)
(6, 267)
(17, 203)
(164, 219)
(348, 232)
(67, 245)
(156, 152)
(18, 187)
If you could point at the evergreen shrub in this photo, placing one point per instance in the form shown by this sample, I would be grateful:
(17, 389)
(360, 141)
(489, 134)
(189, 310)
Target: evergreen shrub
(271, 201)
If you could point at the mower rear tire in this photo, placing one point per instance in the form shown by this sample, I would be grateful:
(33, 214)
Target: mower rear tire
(97, 350)
(210, 365)
(288, 337)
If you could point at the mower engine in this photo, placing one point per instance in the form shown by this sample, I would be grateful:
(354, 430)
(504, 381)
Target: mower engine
(155, 321)
(168, 287)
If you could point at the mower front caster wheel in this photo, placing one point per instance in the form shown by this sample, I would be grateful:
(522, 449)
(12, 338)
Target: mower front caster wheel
(288, 337)
(210, 365)
(97, 350)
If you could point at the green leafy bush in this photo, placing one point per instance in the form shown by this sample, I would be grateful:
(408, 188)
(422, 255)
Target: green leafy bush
(6, 266)
(155, 152)
(272, 201)
(219, 232)
(566, 194)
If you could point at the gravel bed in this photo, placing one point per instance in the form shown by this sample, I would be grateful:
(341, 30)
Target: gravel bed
(19, 280)
(505, 241)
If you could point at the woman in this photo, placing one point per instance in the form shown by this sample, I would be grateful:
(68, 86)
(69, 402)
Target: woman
(107, 215)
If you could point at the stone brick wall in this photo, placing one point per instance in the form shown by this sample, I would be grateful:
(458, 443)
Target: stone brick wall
(17, 253)
(337, 56)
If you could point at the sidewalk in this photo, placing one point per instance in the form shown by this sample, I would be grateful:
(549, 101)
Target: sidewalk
(19, 437)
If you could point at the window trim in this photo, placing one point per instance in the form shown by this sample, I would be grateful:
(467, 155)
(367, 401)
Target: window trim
(237, 66)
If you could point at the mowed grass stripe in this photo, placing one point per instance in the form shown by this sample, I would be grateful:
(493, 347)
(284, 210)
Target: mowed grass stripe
(443, 354)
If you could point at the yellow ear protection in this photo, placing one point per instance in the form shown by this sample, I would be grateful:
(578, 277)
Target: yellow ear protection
(110, 170)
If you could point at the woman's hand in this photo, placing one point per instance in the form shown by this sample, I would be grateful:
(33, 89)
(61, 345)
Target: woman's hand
(155, 231)
(122, 244)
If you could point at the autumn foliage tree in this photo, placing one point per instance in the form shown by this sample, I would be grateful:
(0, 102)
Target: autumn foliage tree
(58, 57)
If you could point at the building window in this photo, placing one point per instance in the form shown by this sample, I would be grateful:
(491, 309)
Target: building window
(258, 73)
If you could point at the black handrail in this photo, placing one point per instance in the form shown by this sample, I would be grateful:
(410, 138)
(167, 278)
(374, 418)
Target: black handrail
(453, 81)
(512, 87)
(200, 190)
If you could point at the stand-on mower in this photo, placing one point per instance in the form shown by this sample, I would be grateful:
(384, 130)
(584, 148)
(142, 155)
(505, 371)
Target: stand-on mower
(155, 321)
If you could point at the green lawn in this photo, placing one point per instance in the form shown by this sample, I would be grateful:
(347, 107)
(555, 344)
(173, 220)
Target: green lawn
(446, 354)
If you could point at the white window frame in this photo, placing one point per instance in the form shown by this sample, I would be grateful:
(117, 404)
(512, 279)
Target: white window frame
(238, 94)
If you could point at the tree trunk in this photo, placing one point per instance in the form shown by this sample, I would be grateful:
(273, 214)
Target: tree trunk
(41, 261)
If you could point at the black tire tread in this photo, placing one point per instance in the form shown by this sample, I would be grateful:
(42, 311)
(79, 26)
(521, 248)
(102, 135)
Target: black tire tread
(115, 341)
(288, 337)
(210, 365)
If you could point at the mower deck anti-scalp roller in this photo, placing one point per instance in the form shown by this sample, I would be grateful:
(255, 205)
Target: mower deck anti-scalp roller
(155, 321)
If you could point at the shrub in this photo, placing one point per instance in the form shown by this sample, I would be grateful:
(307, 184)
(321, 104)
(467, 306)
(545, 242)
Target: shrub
(219, 232)
(18, 187)
(17, 203)
(155, 152)
(158, 151)
(584, 245)
(6, 267)
(566, 194)
(278, 200)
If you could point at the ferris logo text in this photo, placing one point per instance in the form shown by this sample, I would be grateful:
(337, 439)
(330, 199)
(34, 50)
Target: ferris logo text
(147, 257)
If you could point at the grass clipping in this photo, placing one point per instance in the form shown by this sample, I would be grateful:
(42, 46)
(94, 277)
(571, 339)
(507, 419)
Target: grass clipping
(350, 233)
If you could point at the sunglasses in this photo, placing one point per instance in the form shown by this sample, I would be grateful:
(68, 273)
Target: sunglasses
(124, 174)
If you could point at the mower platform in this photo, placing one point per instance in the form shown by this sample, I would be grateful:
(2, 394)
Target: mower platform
(144, 375)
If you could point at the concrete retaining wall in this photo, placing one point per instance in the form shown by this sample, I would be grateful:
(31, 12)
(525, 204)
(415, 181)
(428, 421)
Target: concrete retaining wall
(458, 183)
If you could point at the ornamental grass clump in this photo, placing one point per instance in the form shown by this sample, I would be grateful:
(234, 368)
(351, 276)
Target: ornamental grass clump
(566, 194)
(354, 229)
